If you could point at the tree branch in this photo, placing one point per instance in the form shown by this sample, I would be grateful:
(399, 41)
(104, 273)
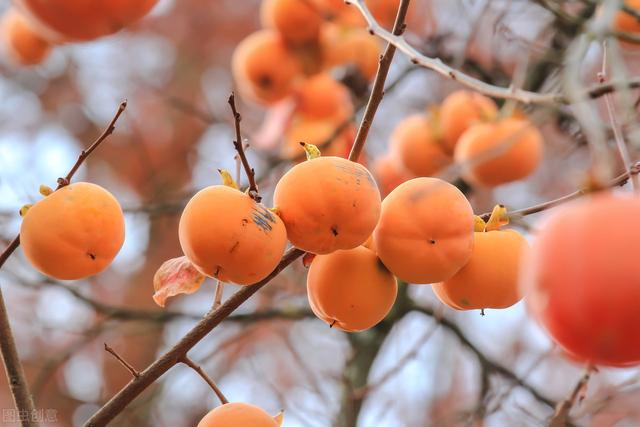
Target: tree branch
(174, 356)
(561, 416)
(377, 92)
(237, 143)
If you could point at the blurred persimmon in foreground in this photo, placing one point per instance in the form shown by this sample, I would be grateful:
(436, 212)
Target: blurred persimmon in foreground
(582, 282)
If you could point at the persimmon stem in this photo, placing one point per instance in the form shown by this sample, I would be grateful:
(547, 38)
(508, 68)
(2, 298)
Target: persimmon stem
(237, 143)
(217, 301)
(190, 363)
(377, 92)
(123, 362)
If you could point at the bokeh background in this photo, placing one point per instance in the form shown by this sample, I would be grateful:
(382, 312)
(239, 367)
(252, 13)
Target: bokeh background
(426, 365)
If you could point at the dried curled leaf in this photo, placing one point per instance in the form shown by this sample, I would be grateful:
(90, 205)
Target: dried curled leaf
(174, 277)
(24, 209)
(307, 259)
(279, 418)
(311, 150)
(227, 179)
(478, 224)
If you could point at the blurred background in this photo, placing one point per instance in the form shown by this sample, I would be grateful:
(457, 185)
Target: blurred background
(425, 365)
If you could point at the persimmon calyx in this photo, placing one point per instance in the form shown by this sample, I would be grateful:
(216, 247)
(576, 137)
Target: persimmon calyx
(498, 218)
(45, 190)
(279, 418)
(24, 209)
(174, 277)
(227, 179)
(311, 150)
(479, 225)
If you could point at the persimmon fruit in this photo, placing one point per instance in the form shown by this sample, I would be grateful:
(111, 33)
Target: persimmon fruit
(24, 44)
(490, 278)
(350, 290)
(491, 154)
(582, 281)
(74, 232)
(230, 237)
(625, 22)
(327, 203)
(425, 233)
(459, 111)
(353, 46)
(321, 96)
(415, 144)
(389, 174)
(237, 414)
(298, 21)
(76, 20)
(264, 69)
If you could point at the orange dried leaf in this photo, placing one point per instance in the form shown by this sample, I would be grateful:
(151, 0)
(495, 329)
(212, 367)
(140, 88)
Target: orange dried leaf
(174, 277)
(307, 259)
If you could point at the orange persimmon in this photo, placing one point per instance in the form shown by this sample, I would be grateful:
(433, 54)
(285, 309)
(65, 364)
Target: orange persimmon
(321, 96)
(415, 144)
(459, 111)
(230, 237)
(582, 280)
(24, 44)
(327, 203)
(490, 277)
(237, 414)
(64, 20)
(389, 174)
(350, 289)
(74, 232)
(298, 21)
(425, 233)
(491, 154)
(264, 69)
(354, 46)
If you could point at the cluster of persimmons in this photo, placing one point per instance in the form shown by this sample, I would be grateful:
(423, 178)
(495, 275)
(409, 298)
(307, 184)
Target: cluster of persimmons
(579, 279)
(31, 27)
(466, 132)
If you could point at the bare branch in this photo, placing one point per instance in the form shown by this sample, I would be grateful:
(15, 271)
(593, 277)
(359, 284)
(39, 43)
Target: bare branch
(190, 363)
(147, 377)
(123, 362)
(237, 143)
(561, 416)
(377, 92)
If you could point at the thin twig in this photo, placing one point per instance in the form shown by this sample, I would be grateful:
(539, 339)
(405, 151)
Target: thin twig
(561, 416)
(86, 153)
(237, 143)
(190, 363)
(123, 362)
(615, 126)
(377, 92)
(616, 182)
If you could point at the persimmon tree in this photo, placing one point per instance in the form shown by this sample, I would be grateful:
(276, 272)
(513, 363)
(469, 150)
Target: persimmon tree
(410, 216)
